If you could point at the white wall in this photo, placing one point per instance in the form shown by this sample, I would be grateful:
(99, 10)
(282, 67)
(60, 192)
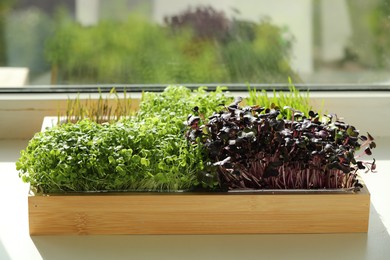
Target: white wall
(87, 12)
(336, 30)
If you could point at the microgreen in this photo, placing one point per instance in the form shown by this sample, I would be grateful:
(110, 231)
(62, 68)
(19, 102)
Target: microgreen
(108, 109)
(280, 100)
(126, 155)
(145, 152)
(252, 147)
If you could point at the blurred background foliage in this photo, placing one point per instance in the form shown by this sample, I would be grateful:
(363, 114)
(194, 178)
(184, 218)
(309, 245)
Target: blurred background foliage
(380, 26)
(199, 45)
(131, 44)
(5, 7)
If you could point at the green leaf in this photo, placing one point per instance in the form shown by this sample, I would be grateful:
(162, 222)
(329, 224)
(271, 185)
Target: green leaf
(145, 162)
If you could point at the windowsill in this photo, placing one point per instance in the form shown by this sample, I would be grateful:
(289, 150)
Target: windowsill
(14, 230)
(22, 116)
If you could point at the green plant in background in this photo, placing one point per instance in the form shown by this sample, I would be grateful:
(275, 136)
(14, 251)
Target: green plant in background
(380, 25)
(197, 46)
(258, 54)
(250, 52)
(134, 51)
(5, 6)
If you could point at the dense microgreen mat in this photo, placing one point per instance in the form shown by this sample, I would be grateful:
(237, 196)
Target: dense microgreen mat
(145, 152)
(186, 140)
(254, 148)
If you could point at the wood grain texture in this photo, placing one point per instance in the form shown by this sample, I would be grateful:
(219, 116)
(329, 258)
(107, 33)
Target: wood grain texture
(198, 213)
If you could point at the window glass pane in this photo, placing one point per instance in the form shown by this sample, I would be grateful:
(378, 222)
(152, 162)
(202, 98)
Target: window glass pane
(97, 42)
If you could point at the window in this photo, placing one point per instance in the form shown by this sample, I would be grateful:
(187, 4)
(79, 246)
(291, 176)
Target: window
(81, 44)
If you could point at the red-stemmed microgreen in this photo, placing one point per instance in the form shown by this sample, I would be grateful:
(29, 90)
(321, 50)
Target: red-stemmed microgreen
(253, 148)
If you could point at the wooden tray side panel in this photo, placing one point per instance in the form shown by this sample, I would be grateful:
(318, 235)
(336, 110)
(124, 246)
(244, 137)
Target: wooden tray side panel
(199, 214)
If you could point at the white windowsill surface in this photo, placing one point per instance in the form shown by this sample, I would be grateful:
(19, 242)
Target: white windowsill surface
(23, 114)
(16, 243)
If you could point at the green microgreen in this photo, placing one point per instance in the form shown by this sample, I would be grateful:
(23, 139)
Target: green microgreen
(144, 152)
(108, 109)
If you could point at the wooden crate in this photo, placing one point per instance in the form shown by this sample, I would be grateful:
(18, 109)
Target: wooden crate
(191, 213)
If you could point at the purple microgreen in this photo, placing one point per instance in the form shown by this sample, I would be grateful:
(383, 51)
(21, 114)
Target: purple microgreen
(368, 151)
(253, 148)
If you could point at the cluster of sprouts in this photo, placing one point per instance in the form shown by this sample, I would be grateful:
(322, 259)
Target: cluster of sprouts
(254, 147)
